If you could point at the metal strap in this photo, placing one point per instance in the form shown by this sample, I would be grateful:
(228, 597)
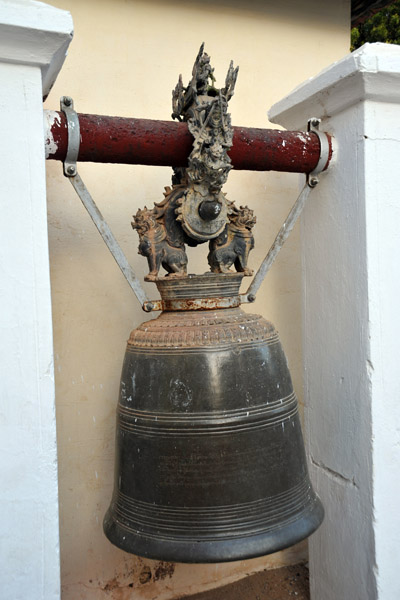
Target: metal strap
(74, 135)
(280, 239)
(324, 150)
(70, 171)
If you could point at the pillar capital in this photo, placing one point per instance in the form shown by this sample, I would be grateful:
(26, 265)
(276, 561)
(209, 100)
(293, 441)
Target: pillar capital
(36, 34)
(370, 73)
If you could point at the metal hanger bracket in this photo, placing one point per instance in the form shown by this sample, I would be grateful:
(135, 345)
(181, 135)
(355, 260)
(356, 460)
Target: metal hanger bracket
(313, 126)
(71, 171)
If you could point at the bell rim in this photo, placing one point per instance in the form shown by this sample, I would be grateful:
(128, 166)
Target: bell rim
(215, 551)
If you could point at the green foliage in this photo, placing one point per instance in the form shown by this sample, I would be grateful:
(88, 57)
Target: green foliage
(384, 26)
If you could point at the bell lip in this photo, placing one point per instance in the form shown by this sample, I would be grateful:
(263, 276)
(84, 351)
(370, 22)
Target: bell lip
(216, 551)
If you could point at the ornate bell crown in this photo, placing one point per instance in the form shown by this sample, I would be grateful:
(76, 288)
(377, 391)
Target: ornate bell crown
(194, 209)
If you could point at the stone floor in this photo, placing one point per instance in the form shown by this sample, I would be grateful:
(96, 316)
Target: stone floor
(277, 584)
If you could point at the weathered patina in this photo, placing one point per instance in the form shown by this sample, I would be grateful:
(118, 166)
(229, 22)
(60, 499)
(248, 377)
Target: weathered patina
(210, 461)
(195, 209)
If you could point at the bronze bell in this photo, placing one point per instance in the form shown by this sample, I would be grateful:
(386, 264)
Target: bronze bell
(210, 462)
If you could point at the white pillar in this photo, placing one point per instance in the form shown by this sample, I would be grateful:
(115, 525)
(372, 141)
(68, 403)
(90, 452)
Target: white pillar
(351, 262)
(33, 41)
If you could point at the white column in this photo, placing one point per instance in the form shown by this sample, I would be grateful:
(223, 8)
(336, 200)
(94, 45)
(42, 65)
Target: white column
(33, 42)
(351, 262)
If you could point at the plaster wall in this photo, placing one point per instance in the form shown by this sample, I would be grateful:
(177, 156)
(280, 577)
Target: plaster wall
(125, 60)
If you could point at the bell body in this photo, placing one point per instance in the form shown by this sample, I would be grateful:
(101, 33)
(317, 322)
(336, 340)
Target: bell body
(210, 462)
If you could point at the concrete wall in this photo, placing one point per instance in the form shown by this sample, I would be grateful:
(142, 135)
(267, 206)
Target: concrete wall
(125, 60)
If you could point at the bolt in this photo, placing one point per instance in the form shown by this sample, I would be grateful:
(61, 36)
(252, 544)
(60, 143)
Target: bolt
(71, 170)
(67, 101)
(313, 181)
(148, 306)
(251, 298)
(315, 122)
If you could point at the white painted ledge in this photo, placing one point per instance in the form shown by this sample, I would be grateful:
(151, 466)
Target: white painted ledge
(34, 33)
(370, 73)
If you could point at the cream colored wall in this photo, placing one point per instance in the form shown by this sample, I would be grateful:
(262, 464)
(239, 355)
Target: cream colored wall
(124, 60)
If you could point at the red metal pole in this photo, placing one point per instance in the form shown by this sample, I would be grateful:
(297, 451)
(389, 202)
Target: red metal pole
(169, 143)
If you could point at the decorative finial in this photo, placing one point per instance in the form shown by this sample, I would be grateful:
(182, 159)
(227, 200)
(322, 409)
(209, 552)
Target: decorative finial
(195, 210)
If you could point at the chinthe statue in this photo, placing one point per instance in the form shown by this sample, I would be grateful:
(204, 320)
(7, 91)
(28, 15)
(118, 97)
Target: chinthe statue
(156, 247)
(233, 245)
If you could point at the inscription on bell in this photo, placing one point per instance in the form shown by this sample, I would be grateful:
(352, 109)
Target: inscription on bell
(180, 395)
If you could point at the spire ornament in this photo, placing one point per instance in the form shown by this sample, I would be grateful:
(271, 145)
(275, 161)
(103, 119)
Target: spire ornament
(195, 209)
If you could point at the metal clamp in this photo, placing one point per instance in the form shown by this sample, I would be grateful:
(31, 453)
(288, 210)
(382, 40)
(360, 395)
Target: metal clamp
(74, 135)
(71, 171)
(324, 149)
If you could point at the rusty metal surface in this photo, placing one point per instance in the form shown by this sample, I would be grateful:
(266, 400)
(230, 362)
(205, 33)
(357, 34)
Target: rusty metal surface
(107, 139)
(200, 304)
(205, 292)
